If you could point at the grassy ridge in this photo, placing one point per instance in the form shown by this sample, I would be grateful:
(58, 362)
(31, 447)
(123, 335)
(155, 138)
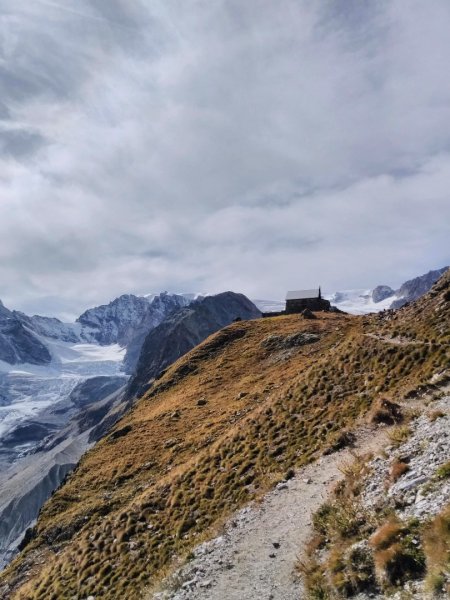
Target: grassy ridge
(219, 429)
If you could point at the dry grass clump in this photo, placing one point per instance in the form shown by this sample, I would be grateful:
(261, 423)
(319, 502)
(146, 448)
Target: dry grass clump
(315, 579)
(436, 414)
(386, 412)
(355, 471)
(343, 439)
(399, 435)
(436, 539)
(443, 472)
(387, 534)
(398, 469)
(352, 569)
(397, 552)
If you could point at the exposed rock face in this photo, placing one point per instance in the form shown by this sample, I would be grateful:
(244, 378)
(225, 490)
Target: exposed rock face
(17, 343)
(94, 389)
(160, 308)
(381, 292)
(417, 287)
(23, 509)
(55, 448)
(364, 301)
(185, 329)
(115, 322)
(124, 321)
(279, 342)
(53, 329)
(127, 320)
(26, 433)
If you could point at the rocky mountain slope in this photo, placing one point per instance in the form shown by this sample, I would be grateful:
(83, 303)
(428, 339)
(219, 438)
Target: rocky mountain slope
(17, 343)
(186, 328)
(42, 359)
(384, 530)
(129, 318)
(415, 288)
(29, 481)
(124, 321)
(383, 297)
(217, 430)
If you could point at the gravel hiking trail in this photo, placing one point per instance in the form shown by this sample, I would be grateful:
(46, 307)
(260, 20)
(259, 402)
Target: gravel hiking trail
(255, 557)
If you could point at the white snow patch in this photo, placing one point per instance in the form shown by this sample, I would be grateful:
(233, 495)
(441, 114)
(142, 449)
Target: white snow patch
(91, 353)
(358, 302)
(32, 388)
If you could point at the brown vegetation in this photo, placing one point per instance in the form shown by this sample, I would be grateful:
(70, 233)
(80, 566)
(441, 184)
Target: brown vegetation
(218, 429)
(437, 551)
(398, 469)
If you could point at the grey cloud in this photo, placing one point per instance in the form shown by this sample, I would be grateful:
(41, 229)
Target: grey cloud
(17, 143)
(212, 145)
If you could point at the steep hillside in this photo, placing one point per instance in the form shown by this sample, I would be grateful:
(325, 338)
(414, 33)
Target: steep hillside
(186, 328)
(50, 415)
(219, 428)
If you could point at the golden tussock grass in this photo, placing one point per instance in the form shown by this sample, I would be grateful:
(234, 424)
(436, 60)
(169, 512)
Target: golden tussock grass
(218, 429)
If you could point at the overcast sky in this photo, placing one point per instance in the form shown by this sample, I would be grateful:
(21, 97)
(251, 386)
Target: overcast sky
(207, 145)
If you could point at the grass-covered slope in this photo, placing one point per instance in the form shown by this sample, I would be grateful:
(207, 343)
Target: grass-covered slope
(220, 427)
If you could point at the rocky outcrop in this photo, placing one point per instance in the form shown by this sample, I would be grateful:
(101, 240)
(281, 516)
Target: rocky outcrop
(94, 389)
(32, 431)
(127, 319)
(185, 329)
(161, 307)
(54, 329)
(415, 288)
(418, 491)
(381, 292)
(17, 343)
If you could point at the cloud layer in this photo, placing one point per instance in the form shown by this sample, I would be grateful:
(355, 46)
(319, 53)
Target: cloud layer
(212, 145)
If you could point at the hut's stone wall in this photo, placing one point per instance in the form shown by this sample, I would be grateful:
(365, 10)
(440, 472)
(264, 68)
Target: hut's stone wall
(314, 304)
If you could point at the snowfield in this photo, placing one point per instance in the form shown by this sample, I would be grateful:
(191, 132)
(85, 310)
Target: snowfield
(26, 390)
(358, 302)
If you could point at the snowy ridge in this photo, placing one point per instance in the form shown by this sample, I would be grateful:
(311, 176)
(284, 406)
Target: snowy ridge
(358, 302)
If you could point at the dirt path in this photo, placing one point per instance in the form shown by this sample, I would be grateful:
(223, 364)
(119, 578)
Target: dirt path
(255, 557)
(397, 341)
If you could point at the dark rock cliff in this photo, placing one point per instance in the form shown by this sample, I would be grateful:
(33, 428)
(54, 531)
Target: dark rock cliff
(415, 288)
(185, 329)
